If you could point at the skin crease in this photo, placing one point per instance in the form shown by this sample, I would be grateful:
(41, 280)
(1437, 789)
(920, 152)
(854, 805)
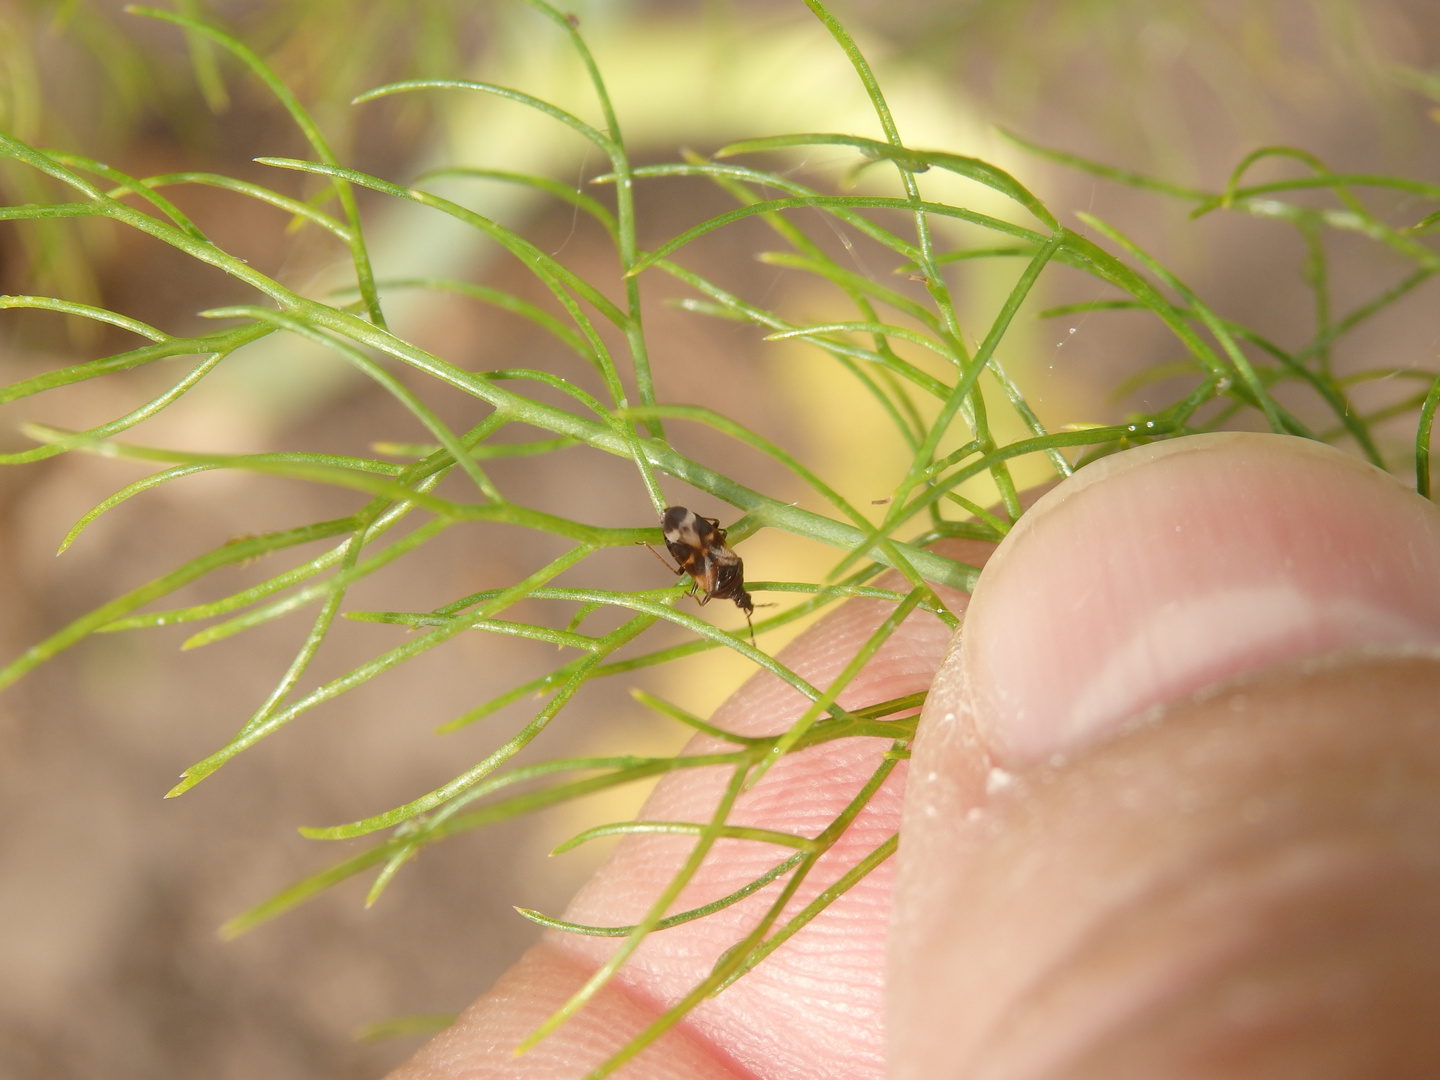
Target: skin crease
(1130, 845)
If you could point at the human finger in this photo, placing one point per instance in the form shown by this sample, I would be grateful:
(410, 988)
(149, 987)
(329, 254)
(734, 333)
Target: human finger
(1101, 856)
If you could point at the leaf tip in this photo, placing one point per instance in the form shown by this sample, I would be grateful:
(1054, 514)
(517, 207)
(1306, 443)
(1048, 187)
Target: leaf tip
(186, 783)
(231, 928)
(370, 95)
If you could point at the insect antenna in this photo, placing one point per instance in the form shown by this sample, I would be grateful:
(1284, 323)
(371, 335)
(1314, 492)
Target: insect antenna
(676, 570)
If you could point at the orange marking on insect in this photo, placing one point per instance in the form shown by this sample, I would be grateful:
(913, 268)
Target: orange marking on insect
(698, 545)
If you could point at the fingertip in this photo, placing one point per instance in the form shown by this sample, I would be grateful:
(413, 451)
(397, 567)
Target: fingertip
(1183, 564)
(1139, 583)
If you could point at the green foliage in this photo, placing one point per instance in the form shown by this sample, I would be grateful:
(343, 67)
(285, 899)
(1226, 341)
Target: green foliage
(907, 351)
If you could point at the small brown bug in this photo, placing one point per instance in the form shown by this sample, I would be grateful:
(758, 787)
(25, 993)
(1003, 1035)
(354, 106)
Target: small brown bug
(698, 545)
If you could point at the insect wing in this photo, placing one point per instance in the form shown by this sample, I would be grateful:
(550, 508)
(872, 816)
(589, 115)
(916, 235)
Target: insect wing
(687, 538)
(726, 575)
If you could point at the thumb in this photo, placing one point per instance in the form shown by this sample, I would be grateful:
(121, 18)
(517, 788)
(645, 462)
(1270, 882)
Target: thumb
(1111, 867)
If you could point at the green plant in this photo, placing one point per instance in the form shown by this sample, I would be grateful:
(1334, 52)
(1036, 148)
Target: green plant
(904, 346)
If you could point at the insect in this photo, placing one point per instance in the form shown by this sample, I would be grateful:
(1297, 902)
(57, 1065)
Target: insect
(698, 545)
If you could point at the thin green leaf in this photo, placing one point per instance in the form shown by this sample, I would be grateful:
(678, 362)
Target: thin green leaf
(1422, 440)
(683, 828)
(57, 442)
(85, 311)
(573, 122)
(677, 919)
(358, 252)
(222, 343)
(393, 386)
(831, 203)
(914, 160)
(632, 941)
(255, 731)
(229, 554)
(404, 1027)
(674, 712)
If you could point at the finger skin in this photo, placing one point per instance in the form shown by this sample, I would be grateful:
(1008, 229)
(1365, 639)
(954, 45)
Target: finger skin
(815, 1007)
(1109, 867)
(1181, 564)
(1270, 908)
(481, 1042)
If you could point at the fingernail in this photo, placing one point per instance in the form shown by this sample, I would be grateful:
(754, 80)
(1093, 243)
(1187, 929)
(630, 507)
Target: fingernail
(1175, 566)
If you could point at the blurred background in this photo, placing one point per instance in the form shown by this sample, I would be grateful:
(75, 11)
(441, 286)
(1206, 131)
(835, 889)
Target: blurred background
(109, 896)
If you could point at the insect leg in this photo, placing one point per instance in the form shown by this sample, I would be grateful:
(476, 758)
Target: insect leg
(676, 570)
